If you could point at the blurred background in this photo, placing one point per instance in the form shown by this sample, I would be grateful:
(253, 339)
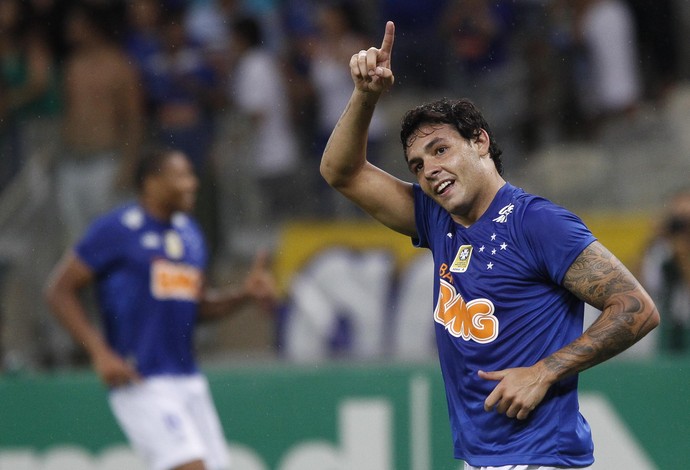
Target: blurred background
(590, 100)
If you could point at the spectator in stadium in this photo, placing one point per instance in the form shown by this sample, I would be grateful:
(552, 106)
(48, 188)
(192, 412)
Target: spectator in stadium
(479, 35)
(258, 90)
(28, 87)
(512, 272)
(102, 93)
(147, 261)
(658, 44)
(665, 272)
(183, 89)
(338, 32)
(609, 85)
(142, 36)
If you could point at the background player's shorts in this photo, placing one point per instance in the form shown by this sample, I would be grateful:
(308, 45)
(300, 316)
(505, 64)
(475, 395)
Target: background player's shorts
(522, 467)
(171, 420)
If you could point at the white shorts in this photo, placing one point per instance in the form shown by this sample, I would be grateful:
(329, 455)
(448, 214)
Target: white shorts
(523, 467)
(171, 420)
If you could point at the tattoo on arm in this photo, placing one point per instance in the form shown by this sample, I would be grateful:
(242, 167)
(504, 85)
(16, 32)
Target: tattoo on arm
(596, 275)
(367, 105)
(601, 280)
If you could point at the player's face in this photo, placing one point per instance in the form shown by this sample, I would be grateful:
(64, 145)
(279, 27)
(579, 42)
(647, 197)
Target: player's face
(458, 174)
(178, 183)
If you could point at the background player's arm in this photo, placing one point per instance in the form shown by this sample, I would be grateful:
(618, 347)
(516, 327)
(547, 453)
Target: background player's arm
(259, 286)
(627, 314)
(344, 165)
(62, 294)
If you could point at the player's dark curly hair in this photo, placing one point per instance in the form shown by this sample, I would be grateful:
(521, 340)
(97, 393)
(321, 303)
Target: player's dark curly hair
(461, 114)
(150, 163)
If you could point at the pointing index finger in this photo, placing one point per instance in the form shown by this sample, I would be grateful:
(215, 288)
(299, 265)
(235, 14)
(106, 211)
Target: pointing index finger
(388, 38)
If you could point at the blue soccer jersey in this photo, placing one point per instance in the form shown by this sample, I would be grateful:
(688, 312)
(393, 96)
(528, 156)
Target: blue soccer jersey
(148, 277)
(499, 303)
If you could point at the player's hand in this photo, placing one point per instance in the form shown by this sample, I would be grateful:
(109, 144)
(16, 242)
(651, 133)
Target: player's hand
(113, 370)
(518, 393)
(260, 283)
(371, 69)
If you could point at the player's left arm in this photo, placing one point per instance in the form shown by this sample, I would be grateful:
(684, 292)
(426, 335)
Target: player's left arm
(627, 315)
(628, 312)
(259, 287)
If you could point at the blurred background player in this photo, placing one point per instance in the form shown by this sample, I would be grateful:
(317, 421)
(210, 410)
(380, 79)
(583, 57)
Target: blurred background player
(147, 261)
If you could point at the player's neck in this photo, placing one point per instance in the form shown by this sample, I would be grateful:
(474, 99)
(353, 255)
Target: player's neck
(158, 211)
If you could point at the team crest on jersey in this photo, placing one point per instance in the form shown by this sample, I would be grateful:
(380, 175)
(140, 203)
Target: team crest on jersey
(462, 259)
(174, 247)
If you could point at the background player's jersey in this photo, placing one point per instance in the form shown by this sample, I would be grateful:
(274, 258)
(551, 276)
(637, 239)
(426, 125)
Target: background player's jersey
(499, 303)
(148, 276)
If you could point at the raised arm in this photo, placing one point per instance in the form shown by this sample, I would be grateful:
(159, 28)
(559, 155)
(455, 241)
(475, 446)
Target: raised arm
(344, 165)
(627, 315)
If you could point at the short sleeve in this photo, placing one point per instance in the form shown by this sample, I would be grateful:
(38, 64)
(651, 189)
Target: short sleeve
(428, 215)
(101, 245)
(556, 237)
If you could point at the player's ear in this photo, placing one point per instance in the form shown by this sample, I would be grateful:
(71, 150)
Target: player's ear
(482, 141)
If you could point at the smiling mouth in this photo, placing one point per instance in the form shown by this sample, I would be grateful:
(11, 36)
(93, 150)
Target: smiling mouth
(443, 187)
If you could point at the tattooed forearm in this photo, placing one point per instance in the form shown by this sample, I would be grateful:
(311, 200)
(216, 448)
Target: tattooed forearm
(606, 337)
(628, 313)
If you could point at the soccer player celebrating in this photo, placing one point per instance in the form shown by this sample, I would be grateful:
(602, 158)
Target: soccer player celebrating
(512, 272)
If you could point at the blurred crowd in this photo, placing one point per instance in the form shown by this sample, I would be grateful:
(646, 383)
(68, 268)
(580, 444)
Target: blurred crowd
(251, 89)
